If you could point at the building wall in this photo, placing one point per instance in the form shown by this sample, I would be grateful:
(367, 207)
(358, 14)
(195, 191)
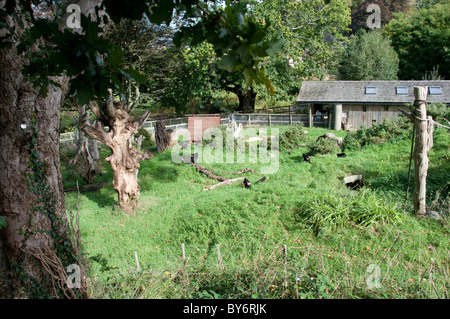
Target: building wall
(359, 114)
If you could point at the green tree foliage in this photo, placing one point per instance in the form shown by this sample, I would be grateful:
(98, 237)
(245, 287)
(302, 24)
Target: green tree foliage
(142, 43)
(312, 32)
(387, 9)
(94, 64)
(422, 41)
(368, 56)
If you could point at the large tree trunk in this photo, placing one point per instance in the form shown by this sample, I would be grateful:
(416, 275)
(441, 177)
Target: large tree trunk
(124, 159)
(247, 99)
(36, 246)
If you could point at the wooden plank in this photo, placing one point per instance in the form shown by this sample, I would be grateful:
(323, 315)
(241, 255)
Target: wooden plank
(352, 178)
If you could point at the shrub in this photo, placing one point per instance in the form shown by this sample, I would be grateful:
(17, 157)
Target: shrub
(439, 111)
(148, 140)
(388, 131)
(323, 146)
(293, 137)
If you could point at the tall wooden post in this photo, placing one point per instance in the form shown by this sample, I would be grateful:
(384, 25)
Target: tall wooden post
(310, 117)
(420, 121)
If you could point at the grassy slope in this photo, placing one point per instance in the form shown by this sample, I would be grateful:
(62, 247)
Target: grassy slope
(251, 227)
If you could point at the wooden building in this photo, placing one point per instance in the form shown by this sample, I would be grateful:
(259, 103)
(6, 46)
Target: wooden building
(359, 103)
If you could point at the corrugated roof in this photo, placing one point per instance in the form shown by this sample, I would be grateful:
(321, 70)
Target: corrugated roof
(353, 92)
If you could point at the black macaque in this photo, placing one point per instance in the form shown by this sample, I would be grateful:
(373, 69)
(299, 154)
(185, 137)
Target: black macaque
(306, 158)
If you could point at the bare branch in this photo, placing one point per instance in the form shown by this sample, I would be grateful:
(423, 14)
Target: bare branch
(137, 94)
(95, 109)
(97, 131)
(140, 121)
(226, 182)
(110, 112)
(407, 114)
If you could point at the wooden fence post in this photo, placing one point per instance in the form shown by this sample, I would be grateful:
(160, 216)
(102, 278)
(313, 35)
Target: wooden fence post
(421, 126)
(310, 117)
(420, 150)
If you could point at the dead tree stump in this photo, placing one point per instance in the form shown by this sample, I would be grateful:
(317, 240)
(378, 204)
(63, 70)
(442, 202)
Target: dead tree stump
(162, 137)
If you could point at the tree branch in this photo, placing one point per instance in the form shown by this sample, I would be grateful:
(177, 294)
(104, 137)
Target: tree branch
(141, 120)
(95, 109)
(97, 131)
(110, 112)
(407, 114)
(226, 182)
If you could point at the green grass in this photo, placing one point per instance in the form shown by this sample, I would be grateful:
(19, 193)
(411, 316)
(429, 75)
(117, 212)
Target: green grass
(251, 227)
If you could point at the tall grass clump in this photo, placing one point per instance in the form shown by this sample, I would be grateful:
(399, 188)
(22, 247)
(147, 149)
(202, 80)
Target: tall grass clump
(328, 212)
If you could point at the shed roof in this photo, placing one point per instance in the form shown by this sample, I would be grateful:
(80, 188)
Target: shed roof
(354, 92)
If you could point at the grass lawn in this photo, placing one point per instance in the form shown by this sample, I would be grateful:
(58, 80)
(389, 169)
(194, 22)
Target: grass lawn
(274, 240)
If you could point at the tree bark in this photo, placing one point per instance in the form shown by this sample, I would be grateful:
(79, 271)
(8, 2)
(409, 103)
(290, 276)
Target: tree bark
(246, 97)
(162, 137)
(35, 247)
(124, 159)
(86, 150)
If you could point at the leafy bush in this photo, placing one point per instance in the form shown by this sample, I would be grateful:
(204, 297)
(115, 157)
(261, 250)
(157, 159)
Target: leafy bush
(388, 131)
(328, 212)
(323, 146)
(148, 140)
(293, 137)
(439, 111)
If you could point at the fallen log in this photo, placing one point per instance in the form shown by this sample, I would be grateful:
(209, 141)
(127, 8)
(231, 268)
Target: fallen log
(87, 188)
(208, 173)
(221, 179)
(226, 182)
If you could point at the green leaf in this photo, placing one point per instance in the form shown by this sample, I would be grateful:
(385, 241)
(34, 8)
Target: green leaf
(83, 96)
(227, 63)
(134, 75)
(115, 57)
(3, 222)
(275, 45)
(162, 12)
